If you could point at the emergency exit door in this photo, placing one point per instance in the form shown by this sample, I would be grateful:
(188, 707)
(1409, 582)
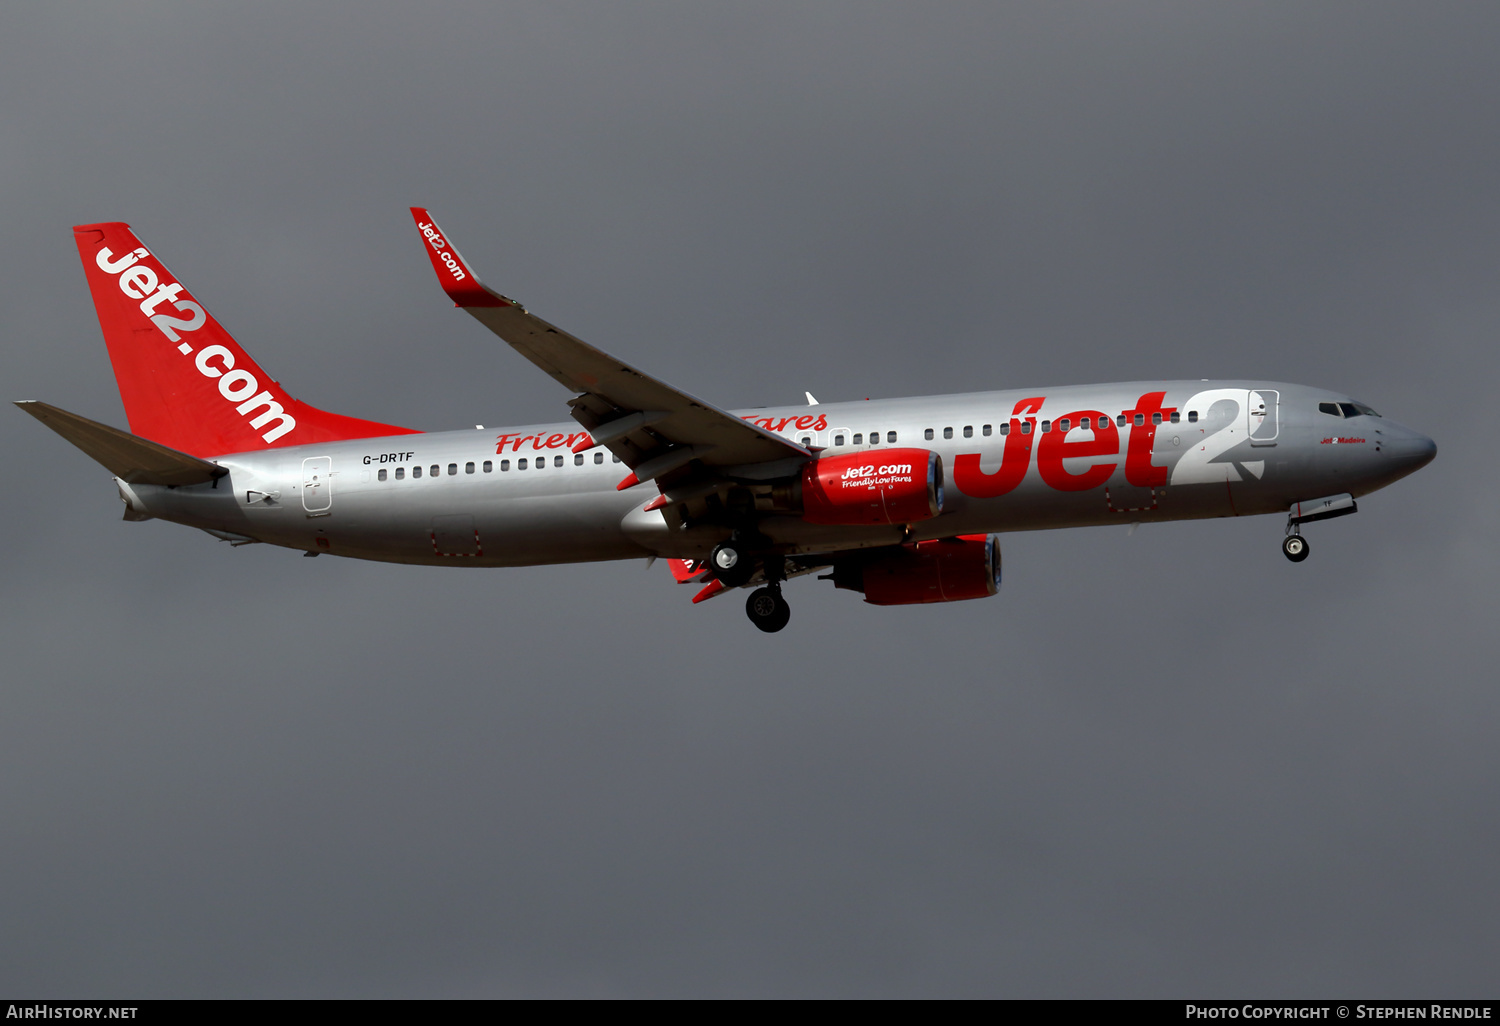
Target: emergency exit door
(317, 484)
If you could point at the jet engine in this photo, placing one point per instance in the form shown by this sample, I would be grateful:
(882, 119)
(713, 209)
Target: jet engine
(946, 570)
(879, 486)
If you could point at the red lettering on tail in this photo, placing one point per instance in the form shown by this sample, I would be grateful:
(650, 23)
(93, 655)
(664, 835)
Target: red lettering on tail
(184, 381)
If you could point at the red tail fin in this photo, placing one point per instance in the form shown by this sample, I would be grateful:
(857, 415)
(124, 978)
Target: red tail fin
(185, 382)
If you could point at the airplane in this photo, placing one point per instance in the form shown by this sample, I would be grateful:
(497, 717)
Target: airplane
(899, 499)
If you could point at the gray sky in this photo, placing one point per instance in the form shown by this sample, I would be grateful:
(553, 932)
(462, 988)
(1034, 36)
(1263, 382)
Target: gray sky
(1161, 764)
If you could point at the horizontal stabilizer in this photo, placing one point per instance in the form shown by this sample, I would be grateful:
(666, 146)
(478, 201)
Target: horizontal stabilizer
(128, 457)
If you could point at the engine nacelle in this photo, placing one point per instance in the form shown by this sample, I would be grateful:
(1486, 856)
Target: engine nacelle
(947, 570)
(879, 486)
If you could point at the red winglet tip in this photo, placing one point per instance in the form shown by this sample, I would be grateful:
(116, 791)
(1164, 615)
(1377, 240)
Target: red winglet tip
(656, 503)
(709, 591)
(629, 482)
(460, 283)
(586, 443)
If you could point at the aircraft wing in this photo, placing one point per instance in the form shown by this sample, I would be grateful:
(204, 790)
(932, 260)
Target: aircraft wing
(655, 429)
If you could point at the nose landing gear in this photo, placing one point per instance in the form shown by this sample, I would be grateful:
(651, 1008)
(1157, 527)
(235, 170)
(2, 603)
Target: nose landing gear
(1294, 547)
(767, 609)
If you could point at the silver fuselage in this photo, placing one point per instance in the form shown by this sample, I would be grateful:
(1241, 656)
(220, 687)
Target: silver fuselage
(1253, 447)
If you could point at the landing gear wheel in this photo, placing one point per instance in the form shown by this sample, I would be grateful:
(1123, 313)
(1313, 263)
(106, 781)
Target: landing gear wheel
(730, 564)
(768, 610)
(725, 557)
(1295, 547)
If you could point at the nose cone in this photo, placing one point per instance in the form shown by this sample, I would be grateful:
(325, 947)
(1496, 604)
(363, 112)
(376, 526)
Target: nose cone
(1411, 450)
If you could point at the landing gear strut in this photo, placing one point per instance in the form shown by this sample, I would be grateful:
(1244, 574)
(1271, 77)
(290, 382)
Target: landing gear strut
(767, 609)
(1294, 546)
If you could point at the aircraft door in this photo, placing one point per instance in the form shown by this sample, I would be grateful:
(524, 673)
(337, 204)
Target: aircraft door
(317, 484)
(1262, 408)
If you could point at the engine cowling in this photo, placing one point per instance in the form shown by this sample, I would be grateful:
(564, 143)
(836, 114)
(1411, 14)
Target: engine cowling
(879, 486)
(948, 570)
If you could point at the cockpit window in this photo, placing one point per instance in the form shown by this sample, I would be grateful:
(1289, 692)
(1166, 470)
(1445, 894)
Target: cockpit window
(1346, 410)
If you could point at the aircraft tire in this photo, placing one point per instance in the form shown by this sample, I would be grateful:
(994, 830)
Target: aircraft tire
(730, 564)
(768, 610)
(725, 557)
(1295, 548)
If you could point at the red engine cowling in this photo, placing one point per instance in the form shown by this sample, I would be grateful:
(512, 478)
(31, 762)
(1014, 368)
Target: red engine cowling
(948, 570)
(879, 486)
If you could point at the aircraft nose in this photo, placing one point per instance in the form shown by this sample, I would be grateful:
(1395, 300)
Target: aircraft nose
(1413, 449)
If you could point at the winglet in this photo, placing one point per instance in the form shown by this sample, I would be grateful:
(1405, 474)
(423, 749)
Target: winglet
(462, 284)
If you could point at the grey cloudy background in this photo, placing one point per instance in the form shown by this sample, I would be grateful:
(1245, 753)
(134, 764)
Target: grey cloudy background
(1166, 763)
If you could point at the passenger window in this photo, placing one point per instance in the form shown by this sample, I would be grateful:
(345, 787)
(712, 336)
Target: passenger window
(1065, 425)
(1140, 419)
(521, 463)
(890, 437)
(1192, 416)
(598, 457)
(1085, 422)
(806, 440)
(838, 439)
(1176, 416)
(468, 468)
(1025, 427)
(1005, 429)
(1332, 409)
(859, 439)
(1120, 420)
(578, 459)
(400, 473)
(985, 431)
(453, 469)
(1046, 427)
(947, 432)
(614, 457)
(504, 466)
(381, 475)
(557, 461)
(436, 470)
(489, 467)
(416, 471)
(541, 463)
(927, 434)
(1156, 418)
(969, 431)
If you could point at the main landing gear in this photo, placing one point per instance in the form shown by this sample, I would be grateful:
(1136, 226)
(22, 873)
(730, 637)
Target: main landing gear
(767, 609)
(730, 563)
